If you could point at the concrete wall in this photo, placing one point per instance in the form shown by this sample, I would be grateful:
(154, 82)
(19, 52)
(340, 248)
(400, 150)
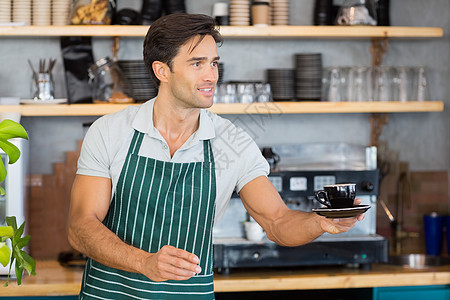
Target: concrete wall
(421, 139)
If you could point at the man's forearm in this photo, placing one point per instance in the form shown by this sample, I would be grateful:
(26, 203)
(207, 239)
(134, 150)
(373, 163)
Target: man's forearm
(295, 228)
(89, 236)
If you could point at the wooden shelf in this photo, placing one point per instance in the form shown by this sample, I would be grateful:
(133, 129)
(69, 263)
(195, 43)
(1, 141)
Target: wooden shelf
(54, 280)
(237, 109)
(232, 31)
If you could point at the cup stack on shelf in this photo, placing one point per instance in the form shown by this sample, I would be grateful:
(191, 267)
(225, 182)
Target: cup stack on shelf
(5, 11)
(282, 82)
(139, 79)
(21, 12)
(308, 73)
(221, 69)
(239, 12)
(280, 12)
(42, 12)
(60, 12)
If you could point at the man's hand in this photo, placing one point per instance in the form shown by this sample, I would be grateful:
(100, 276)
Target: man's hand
(335, 226)
(171, 263)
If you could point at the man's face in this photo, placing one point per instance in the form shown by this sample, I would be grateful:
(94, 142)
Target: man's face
(195, 73)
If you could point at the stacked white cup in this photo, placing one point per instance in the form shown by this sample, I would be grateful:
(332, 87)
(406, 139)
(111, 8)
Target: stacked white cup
(60, 12)
(5, 11)
(21, 12)
(42, 12)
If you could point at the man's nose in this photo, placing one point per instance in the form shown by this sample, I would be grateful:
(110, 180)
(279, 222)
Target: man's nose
(211, 74)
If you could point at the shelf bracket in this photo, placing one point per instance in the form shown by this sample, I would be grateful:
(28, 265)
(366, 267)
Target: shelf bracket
(378, 48)
(377, 122)
(115, 47)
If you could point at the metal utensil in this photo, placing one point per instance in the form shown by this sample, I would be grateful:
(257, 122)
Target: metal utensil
(34, 72)
(42, 65)
(51, 64)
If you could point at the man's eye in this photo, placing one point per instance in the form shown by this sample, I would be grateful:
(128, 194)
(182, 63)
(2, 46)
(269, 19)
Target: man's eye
(196, 64)
(214, 63)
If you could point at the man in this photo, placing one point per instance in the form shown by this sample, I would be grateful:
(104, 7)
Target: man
(151, 179)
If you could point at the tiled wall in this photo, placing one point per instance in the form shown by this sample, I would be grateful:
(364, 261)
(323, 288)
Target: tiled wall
(428, 192)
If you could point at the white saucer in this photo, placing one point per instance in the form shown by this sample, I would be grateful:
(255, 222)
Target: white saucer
(339, 213)
(43, 102)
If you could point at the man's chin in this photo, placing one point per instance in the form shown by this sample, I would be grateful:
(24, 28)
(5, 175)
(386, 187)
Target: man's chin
(206, 103)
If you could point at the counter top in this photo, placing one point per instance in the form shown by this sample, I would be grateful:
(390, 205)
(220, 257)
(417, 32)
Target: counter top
(53, 279)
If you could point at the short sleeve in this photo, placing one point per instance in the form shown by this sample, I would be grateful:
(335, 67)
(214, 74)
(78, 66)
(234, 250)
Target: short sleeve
(94, 158)
(252, 165)
(236, 150)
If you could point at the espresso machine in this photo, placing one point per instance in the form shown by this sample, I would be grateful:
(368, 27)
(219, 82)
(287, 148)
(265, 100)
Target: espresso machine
(300, 172)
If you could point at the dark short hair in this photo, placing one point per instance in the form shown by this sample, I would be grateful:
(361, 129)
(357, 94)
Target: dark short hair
(167, 34)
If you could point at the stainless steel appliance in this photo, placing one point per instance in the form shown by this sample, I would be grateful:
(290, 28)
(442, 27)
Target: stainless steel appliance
(302, 170)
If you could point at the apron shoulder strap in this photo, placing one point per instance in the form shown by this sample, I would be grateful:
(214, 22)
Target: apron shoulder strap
(207, 152)
(136, 142)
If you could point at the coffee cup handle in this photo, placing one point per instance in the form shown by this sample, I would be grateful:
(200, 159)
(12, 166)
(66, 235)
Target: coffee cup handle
(324, 199)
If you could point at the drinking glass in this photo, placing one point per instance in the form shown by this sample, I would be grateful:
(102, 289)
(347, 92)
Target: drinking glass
(334, 84)
(246, 92)
(419, 84)
(263, 92)
(402, 89)
(43, 87)
(359, 87)
(217, 96)
(382, 83)
(228, 93)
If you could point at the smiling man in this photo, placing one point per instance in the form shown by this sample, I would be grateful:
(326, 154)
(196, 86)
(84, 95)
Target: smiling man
(152, 179)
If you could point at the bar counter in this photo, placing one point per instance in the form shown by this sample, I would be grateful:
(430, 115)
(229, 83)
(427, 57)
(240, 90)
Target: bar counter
(54, 280)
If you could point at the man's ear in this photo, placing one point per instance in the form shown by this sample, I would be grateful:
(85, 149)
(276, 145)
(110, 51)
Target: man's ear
(161, 70)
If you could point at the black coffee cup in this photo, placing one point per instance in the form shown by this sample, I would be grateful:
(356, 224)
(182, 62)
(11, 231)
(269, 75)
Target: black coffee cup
(339, 195)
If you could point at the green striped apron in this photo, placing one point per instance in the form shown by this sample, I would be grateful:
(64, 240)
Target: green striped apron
(159, 203)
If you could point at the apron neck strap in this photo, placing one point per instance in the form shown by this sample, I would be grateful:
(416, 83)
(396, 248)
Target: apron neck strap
(138, 136)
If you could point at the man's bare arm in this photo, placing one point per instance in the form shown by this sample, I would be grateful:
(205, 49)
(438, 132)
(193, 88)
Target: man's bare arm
(87, 234)
(282, 225)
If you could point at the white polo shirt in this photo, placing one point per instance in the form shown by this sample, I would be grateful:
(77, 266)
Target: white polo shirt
(238, 159)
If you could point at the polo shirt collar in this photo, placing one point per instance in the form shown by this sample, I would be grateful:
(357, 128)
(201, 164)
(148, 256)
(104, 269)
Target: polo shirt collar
(143, 122)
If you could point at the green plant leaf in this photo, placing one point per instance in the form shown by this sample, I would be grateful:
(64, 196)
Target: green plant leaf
(19, 273)
(2, 173)
(22, 259)
(28, 263)
(6, 231)
(11, 150)
(19, 232)
(10, 129)
(11, 221)
(5, 254)
(23, 242)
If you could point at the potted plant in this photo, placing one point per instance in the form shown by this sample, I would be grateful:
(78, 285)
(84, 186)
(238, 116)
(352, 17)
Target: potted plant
(8, 130)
